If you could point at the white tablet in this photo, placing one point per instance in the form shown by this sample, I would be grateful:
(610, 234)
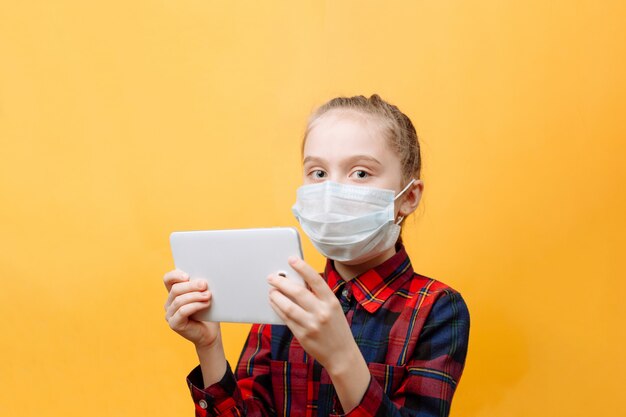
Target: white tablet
(236, 263)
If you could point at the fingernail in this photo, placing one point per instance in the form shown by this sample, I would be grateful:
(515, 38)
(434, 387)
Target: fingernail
(292, 260)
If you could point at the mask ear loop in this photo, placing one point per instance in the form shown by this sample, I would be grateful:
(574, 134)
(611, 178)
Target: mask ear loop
(398, 196)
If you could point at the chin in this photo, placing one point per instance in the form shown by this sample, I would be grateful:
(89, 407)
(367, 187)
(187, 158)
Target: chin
(359, 261)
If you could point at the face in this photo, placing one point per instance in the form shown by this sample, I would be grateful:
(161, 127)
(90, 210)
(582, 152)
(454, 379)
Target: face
(348, 148)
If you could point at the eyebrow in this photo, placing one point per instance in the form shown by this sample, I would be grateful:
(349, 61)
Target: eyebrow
(352, 159)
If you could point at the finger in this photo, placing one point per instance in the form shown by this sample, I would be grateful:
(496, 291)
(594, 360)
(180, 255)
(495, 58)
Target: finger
(179, 320)
(300, 294)
(280, 313)
(180, 288)
(311, 277)
(287, 310)
(299, 329)
(295, 328)
(172, 277)
(187, 298)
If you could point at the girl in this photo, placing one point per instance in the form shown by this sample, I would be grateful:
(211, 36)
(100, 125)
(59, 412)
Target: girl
(368, 338)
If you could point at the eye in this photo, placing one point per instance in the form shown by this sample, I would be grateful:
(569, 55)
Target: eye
(319, 174)
(360, 174)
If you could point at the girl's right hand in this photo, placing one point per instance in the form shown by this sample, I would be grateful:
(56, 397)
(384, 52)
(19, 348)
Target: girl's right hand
(185, 298)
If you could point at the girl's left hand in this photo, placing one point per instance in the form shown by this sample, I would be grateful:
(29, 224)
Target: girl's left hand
(315, 317)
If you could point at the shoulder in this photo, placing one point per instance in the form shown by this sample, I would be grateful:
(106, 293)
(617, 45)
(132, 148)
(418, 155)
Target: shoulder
(434, 297)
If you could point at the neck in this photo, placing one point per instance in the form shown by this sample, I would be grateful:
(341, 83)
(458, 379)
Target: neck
(348, 272)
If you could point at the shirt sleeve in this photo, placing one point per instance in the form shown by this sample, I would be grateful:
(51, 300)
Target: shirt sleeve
(434, 369)
(248, 394)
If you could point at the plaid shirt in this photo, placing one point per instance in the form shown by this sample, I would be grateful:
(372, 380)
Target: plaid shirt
(412, 331)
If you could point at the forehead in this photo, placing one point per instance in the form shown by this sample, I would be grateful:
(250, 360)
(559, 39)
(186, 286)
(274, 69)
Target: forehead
(344, 133)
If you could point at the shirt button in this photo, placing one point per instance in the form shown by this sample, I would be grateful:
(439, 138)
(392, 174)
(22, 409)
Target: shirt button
(344, 293)
(203, 404)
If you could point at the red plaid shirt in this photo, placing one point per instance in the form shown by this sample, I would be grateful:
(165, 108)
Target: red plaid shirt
(412, 331)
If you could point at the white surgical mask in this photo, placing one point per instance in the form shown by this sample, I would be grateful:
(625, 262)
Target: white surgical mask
(348, 223)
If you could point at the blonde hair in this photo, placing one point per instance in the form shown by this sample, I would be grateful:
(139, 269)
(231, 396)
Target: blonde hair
(398, 128)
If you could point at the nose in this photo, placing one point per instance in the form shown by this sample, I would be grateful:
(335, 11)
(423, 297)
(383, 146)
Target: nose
(336, 178)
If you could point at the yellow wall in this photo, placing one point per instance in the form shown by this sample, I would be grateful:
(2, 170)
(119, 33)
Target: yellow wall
(122, 121)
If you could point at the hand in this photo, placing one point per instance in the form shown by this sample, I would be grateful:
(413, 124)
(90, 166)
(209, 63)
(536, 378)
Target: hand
(315, 317)
(185, 298)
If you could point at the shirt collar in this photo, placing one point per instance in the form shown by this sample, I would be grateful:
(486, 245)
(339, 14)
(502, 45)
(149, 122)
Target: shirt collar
(372, 288)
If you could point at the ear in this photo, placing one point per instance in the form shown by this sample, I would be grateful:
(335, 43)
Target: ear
(411, 198)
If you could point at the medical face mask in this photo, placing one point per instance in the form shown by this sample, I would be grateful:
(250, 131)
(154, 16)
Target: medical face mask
(348, 223)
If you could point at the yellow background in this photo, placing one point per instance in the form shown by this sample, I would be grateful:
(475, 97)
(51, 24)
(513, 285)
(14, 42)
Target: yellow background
(122, 121)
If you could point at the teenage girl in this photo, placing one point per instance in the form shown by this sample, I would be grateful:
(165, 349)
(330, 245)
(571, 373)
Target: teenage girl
(369, 337)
